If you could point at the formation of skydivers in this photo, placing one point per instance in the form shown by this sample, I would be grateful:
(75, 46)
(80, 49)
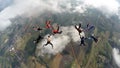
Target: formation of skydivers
(57, 31)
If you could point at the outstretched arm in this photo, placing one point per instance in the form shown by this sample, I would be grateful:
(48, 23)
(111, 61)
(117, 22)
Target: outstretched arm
(76, 27)
(79, 25)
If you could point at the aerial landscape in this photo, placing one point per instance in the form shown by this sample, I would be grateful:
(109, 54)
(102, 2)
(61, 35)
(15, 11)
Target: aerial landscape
(59, 34)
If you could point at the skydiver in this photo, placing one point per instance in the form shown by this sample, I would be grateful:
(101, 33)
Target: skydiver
(39, 37)
(81, 33)
(78, 28)
(56, 31)
(37, 28)
(48, 24)
(48, 42)
(92, 28)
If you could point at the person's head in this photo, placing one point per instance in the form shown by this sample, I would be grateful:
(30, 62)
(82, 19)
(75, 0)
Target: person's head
(48, 36)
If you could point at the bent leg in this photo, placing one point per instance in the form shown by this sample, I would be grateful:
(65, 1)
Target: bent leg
(51, 44)
(95, 39)
(46, 44)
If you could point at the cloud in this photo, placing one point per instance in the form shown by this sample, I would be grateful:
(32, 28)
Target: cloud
(111, 6)
(4, 25)
(116, 56)
(80, 8)
(59, 41)
(27, 8)
(119, 40)
(30, 8)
